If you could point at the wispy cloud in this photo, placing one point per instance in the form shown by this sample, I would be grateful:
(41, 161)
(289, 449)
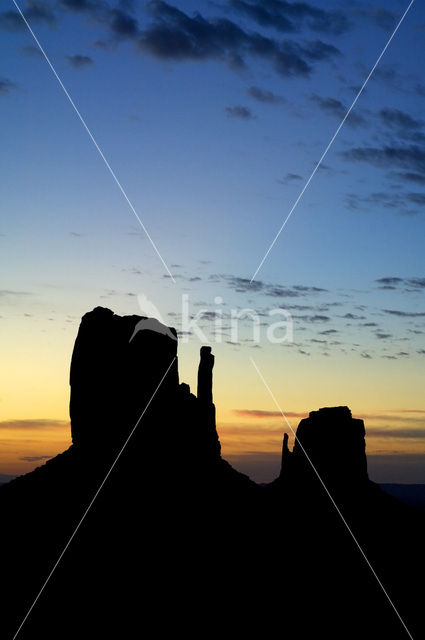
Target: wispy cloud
(262, 414)
(244, 285)
(399, 120)
(410, 157)
(336, 108)
(10, 292)
(243, 113)
(6, 86)
(289, 17)
(35, 12)
(290, 177)
(405, 314)
(401, 433)
(79, 62)
(31, 424)
(403, 284)
(266, 97)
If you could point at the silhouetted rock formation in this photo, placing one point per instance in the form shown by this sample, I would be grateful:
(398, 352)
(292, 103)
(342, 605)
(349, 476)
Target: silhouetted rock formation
(330, 444)
(205, 374)
(179, 541)
(114, 373)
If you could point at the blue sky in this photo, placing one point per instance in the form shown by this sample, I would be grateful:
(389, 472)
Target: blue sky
(213, 122)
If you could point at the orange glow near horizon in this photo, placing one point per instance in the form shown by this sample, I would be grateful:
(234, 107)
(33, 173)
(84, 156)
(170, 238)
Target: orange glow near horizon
(34, 399)
(27, 444)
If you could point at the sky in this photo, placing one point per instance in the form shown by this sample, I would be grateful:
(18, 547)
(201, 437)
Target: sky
(211, 118)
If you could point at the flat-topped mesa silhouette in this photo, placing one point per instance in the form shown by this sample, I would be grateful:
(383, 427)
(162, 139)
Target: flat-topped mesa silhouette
(332, 441)
(115, 369)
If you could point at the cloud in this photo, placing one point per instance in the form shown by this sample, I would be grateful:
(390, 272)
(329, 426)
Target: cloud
(9, 292)
(32, 51)
(260, 413)
(416, 198)
(290, 177)
(386, 74)
(383, 336)
(11, 21)
(264, 16)
(122, 24)
(408, 176)
(418, 283)
(410, 410)
(243, 113)
(409, 157)
(266, 97)
(79, 62)
(399, 202)
(352, 316)
(6, 86)
(403, 203)
(403, 433)
(314, 318)
(80, 5)
(117, 20)
(389, 281)
(394, 415)
(383, 18)
(403, 284)
(303, 289)
(244, 285)
(399, 120)
(288, 17)
(404, 314)
(34, 458)
(174, 35)
(336, 108)
(39, 423)
(35, 12)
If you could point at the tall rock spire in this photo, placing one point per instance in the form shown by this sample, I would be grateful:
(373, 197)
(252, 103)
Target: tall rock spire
(205, 375)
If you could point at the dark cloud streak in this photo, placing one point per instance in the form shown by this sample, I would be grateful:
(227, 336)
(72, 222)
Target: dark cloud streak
(174, 35)
(35, 12)
(334, 107)
(6, 86)
(79, 62)
(266, 97)
(289, 17)
(243, 113)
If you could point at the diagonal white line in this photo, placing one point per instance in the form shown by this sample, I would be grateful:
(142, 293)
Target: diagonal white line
(94, 142)
(331, 142)
(331, 499)
(91, 502)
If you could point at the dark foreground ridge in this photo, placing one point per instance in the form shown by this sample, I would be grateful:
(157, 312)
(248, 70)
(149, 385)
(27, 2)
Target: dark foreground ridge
(178, 542)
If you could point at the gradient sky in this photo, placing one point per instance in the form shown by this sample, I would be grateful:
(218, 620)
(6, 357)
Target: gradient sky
(212, 116)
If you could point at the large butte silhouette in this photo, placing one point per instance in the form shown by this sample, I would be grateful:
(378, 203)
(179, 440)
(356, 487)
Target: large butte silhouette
(179, 542)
